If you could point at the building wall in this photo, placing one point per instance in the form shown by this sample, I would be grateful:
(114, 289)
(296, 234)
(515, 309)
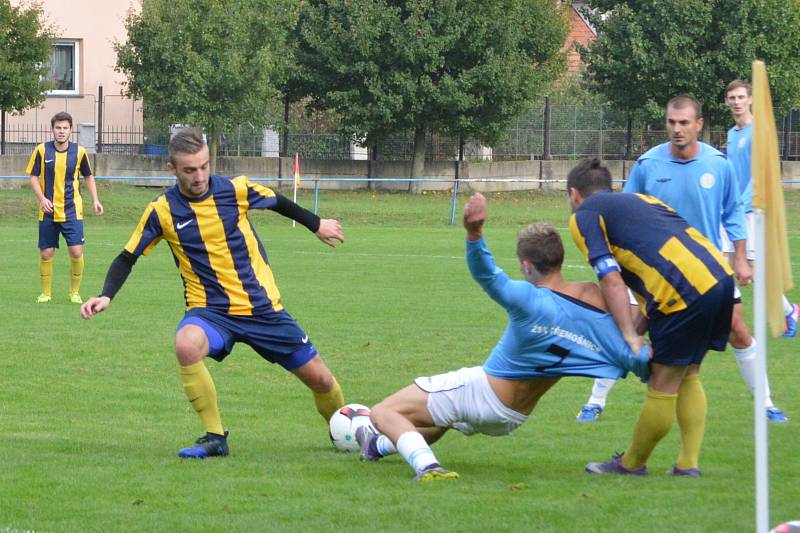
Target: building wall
(581, 33)
(96, 26)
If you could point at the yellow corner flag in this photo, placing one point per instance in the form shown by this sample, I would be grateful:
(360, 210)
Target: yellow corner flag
(768, 196)
(296, 169)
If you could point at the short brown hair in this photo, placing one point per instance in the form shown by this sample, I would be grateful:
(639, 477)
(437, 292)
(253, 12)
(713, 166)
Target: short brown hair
(738, 84)
(541, 244)
(185, 141)
(588, 177)
(684, 100)
(59, 117)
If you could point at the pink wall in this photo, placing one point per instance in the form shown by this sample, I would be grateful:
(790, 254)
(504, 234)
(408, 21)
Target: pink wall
(96, 25)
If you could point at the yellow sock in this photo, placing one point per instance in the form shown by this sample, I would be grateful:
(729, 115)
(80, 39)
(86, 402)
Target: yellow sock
(329, 402)
(76, 269)
(200, 390)
(46, 275)
(655, 421)
(691, 410)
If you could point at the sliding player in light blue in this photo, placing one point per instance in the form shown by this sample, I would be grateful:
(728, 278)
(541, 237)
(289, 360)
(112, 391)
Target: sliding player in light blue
(555, 329)
(229, 287)
(698, 182)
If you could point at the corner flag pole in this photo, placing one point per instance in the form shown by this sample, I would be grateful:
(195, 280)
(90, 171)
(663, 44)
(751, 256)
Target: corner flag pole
(296, 168)
(773, 275)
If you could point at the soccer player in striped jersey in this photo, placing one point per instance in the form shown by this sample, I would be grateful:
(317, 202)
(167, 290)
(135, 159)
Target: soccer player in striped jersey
(698, 182)
(739, 98)
(54, 168)
(555, 329)
(230, 291)
(684, 287)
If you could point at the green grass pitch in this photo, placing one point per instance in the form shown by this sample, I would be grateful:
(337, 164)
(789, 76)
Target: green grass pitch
(93, 412)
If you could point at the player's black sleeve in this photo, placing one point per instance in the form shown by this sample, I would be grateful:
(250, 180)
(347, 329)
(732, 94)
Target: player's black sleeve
(289, 209)
(117, 273)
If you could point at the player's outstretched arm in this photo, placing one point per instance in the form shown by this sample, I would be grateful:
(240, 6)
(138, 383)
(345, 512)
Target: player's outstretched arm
(94, 305)
(330, 231)
(475, 215)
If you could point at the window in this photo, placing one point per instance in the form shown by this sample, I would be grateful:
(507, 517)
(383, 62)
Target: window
(64, 68)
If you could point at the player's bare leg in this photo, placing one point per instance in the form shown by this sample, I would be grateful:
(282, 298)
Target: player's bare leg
(316, 375)
(191, 347)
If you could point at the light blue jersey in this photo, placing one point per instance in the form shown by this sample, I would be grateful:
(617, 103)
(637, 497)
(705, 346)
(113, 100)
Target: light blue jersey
(739, 143)
(703, 190)
(548, 333)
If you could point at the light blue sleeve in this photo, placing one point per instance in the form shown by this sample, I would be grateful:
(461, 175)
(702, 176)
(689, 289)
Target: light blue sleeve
(511, 294)
(732, 207)
(634, 182)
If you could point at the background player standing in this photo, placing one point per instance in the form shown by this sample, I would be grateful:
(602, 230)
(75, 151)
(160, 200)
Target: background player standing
(739, 98)
(54, 168)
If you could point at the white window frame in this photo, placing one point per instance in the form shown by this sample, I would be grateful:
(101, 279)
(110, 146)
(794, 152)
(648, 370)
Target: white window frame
(76, 74)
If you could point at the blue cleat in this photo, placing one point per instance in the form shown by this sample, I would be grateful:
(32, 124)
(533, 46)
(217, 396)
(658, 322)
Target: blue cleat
(615, 466)
(776, 416)
(791, 322)
(209, 445)
(684, 472)
(589, 413)
(367, 439)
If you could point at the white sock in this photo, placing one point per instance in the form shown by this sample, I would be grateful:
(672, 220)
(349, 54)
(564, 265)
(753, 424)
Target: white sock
(385, 446)
(788, 308)
(746, 359)
(412, 446)
(600, 390)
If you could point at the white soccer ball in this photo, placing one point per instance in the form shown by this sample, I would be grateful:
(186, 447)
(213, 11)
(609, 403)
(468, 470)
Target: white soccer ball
(787, 527)
(343, 425)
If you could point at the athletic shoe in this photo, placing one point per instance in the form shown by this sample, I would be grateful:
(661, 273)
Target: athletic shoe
(776, 416)
(43, 299)
(367, 439)
(74, 298)
(589, 413)
(684, 472)
(433, 472)
(209, 445)
(615, 466)
(791, 321)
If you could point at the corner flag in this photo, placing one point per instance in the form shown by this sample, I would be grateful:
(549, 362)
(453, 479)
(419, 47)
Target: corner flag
(296, 168)
(768, 196)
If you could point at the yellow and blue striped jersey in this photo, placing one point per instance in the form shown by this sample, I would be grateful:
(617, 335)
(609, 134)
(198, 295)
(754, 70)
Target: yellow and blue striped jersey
(58, 177)
(667, 263)
(220, 258)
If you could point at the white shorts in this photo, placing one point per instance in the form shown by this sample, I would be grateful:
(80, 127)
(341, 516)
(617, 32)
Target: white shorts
(727, 245)
(464, 400)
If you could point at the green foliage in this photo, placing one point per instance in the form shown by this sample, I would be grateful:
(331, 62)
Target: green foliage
(209, 63)
(26, 45)
(456, 66)
(648, 52)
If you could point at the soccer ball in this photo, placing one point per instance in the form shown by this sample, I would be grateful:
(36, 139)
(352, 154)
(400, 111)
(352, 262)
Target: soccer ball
(343, 425)
(787, 527)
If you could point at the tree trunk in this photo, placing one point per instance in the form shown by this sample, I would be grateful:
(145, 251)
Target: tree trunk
(213, 146)
(418, 163)
(284, 146)
(707, 131)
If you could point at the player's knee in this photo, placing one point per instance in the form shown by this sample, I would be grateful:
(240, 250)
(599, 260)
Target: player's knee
(191, 345)
(47, 253)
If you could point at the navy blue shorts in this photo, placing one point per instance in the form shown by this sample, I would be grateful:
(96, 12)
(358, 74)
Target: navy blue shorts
(683, 338)
(275, 336)
(72, 231)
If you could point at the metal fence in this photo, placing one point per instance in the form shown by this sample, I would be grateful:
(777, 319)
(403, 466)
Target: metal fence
(570, 132)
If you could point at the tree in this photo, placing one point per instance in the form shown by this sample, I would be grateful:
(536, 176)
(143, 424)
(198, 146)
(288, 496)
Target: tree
(647, 52)
(209, 63)
(26, 45)
(464, 67)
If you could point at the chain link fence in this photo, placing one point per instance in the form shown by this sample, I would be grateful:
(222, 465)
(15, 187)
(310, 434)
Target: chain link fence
(566, 132)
